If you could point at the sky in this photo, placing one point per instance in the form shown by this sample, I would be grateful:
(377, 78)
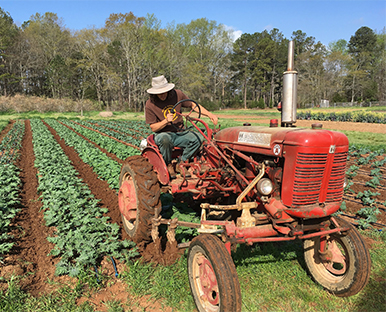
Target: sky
(324, 20)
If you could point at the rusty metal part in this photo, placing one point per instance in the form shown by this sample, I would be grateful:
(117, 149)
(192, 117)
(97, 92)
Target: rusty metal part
(239, 204)
(243, 156)
(183, 245)
(335, 260)
(251, 185)
(219, 152)
(180, 223)
(246, 220)
(171, 233)
(247, 205)
(154, 228)
(325, 255)
(209, 228)
(156, 221)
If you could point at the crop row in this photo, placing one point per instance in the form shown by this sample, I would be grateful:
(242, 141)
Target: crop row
(369, 117)
(11, 143)
(137, 128)
(9, 183)
(132, 137)
(138, 125)
(82, 233)
(121, 150)
(106, 168)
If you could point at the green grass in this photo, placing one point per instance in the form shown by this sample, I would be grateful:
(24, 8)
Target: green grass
(166, 283)
(374, 141)
(271, 272)
(64, 299)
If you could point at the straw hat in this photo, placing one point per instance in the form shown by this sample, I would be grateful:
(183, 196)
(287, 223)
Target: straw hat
(160, 85)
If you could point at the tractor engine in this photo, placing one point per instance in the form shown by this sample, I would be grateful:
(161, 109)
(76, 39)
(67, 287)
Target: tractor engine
(306, 167)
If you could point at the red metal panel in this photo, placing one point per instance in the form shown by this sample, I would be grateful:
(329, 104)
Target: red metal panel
(159, 166)
(257, 140)
(314, 168)
(231, 135)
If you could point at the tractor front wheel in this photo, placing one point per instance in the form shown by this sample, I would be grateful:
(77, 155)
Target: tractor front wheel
(343, 268)
(138, 197)
(212, 276)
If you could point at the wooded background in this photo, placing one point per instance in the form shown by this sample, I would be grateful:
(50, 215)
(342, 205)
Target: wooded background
(113, 65)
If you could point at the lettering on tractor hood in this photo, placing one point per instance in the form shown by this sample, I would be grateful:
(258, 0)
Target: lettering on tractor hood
(256, 135)
(254, 138)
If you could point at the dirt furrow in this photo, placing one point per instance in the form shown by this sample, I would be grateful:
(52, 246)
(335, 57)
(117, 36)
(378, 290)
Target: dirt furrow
(32, 247)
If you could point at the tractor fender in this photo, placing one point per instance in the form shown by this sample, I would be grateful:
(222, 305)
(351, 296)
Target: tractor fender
(155, 158)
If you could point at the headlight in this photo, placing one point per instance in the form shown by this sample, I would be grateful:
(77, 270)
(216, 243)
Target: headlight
(265, 186)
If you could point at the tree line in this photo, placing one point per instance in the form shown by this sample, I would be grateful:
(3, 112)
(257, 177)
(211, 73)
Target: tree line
(113, 65)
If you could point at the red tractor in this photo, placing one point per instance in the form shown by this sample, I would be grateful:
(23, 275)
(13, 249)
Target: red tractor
(255, 185)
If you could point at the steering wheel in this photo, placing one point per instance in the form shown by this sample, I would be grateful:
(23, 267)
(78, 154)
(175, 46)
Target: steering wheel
(187, 115)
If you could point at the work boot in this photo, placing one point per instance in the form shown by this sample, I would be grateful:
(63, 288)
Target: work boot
(182, 170)
(171, 171)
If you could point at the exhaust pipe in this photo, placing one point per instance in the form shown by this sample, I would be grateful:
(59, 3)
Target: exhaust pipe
(290, 83)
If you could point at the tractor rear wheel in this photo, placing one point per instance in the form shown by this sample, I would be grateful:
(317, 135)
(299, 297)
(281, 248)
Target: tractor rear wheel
(138, 197)
(347, 270)
(212, 276)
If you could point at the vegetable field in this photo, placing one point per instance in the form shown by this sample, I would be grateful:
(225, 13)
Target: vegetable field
(59, 215)
(67, 181)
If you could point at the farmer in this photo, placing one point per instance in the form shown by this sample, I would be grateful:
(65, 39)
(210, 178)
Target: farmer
(168, 126)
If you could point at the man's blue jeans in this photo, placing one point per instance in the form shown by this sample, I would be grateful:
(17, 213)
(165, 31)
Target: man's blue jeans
(190, 142)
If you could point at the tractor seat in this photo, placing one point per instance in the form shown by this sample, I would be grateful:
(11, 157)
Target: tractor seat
(150, 140)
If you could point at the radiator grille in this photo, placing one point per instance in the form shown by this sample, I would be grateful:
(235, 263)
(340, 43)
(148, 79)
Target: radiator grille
(338, 172)
(310, 172)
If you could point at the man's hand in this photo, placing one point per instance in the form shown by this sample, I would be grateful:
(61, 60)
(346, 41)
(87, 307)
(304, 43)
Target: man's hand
(157, 126)
(169, 118)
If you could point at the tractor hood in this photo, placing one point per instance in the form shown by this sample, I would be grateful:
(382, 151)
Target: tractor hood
(262, 136)
(272, 139)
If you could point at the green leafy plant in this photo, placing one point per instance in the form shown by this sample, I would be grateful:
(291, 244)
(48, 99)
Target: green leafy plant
(367, 197)
(351, 172)
(374, 182)
(9, 184)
